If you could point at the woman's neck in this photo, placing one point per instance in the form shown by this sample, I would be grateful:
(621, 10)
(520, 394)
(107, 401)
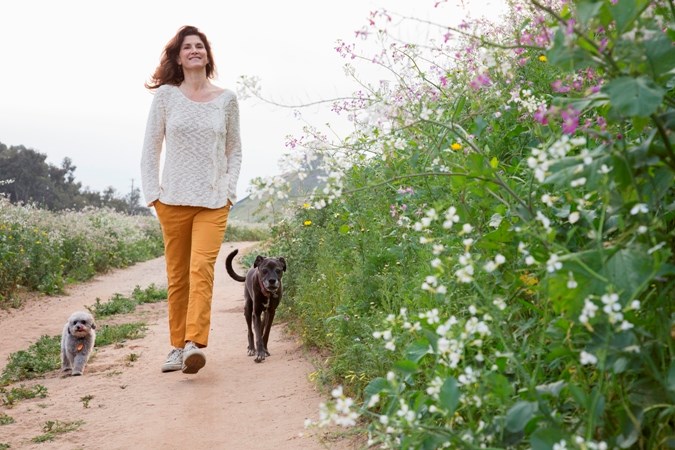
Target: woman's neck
(195, 81)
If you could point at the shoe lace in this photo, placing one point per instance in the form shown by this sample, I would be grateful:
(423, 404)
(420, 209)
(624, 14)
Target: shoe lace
(174, 354)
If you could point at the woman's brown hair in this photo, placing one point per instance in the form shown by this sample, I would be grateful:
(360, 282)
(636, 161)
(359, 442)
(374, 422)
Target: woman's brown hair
(169, 71)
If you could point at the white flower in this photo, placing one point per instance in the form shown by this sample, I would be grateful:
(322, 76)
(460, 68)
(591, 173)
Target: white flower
(639, 208)
(574, 217)
(436, 263)
(588, 358)
(374, 399)
(548, 200)
(578, 182)
(604, 169)
(656, 248)
(553, 264)
(562, 445)
(635, 304)
(495, 220)
(467, 228)
(625, 325)
(588, 312)
(499, 303)
(451, 217)
(571, 282)
(642, 229)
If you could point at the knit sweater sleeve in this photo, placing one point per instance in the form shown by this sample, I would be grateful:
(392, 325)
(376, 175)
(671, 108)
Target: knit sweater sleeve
(152, 147)
(233, 149)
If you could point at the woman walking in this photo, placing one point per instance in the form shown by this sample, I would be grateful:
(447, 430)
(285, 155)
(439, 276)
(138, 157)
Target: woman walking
(198, 123)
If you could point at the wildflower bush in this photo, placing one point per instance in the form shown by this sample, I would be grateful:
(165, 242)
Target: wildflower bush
(42, 250)
(490, 262)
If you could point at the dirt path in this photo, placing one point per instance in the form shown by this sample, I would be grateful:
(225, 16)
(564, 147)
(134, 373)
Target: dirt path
(232, 403)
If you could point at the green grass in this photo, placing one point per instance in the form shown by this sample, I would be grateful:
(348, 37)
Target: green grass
(53, 428)
(120, 304)
(9, 397)
(5, 419)
(238, 233)
(44, 355)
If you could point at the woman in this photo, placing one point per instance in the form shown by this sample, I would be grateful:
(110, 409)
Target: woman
(199, 125)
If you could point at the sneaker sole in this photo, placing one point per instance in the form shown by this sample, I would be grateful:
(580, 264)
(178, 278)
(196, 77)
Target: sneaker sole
(172, 368)
(193, 362)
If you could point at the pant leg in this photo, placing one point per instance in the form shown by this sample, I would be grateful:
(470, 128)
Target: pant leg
(208, 230)
(176, 223)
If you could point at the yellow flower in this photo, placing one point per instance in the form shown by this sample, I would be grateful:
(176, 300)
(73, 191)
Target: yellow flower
(456, 146)
(305, 206)
(543, 58)
(307, 223)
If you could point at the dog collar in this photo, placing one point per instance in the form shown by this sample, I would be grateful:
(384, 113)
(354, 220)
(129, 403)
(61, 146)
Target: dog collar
(264, 291)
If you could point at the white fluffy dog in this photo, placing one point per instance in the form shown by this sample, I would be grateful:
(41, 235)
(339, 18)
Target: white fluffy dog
(77, 341)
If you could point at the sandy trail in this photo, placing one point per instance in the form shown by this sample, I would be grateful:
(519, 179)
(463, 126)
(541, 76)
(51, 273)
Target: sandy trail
(232, 403)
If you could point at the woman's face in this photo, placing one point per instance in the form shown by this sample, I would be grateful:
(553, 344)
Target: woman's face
(192, 53)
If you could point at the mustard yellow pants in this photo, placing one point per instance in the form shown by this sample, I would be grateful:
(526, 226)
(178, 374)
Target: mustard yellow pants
(192, 239)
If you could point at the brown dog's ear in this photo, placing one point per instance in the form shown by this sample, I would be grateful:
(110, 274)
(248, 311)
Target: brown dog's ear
(258, 260)
(283, 261)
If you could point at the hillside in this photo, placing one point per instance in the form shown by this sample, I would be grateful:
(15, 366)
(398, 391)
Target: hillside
(252, 211)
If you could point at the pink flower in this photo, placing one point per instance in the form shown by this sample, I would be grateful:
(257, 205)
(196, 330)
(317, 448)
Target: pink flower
(540, 115)
(570, 117)
(559, 87)
(481, 80)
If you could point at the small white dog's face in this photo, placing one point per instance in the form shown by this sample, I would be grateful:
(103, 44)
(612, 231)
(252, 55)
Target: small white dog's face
(80, 324)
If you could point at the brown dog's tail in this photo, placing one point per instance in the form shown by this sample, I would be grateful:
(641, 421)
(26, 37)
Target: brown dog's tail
(230, 270)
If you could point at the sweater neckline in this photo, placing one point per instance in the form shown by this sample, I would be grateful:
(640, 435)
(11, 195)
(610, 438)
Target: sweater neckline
(200, 103)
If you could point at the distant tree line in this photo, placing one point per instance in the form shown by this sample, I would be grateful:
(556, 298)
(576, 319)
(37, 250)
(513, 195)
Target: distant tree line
(26, 177)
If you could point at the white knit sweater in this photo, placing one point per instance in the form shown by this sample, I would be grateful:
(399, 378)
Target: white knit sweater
(203, 149)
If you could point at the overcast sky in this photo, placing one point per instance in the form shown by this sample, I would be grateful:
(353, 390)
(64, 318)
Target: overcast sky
(72, 71)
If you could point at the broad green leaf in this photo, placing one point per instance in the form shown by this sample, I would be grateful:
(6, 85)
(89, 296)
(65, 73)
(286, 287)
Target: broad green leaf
(519, 414)
(629, 269)
(634, 96)
(417, 350)
(579, 395)
(494, 162)
(406, 367)
(545, 438)
(587, 10)
(376, 386)
(499, 385)
(661, 55)
(344, 229)
(449, 395)
(625, 12)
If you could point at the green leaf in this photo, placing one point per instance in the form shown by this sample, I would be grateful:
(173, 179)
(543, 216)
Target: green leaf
(376, 386)
(661, 55)
(545, 438)
(587, 10)
(629, 270)
(671, 377)
(625, 12)
(634, 96)
(406, 367)
(519, 414)
(449, 395)
(417, 350)
(499, 385)
(579, 395)
(344, 229)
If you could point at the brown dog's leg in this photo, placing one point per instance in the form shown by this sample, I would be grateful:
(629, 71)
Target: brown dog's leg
(267, 326)
(248, 313)
(259, 343)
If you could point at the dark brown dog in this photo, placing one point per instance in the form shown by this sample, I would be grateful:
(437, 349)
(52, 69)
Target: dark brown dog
(262, 293)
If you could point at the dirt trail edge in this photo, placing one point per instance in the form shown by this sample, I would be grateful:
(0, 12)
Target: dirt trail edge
(125, 402)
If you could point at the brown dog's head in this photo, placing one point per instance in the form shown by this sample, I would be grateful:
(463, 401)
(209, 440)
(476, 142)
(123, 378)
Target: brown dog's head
(270, 271)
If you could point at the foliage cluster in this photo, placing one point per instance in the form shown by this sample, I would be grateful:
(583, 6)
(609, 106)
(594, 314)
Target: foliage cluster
(42, 250)
(26, 177)
(491, 262)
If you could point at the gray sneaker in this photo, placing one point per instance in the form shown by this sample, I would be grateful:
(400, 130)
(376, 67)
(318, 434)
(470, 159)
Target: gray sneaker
(174, 361)
(193, 358)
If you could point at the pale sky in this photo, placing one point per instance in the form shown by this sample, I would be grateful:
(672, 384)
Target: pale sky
(72, 71)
